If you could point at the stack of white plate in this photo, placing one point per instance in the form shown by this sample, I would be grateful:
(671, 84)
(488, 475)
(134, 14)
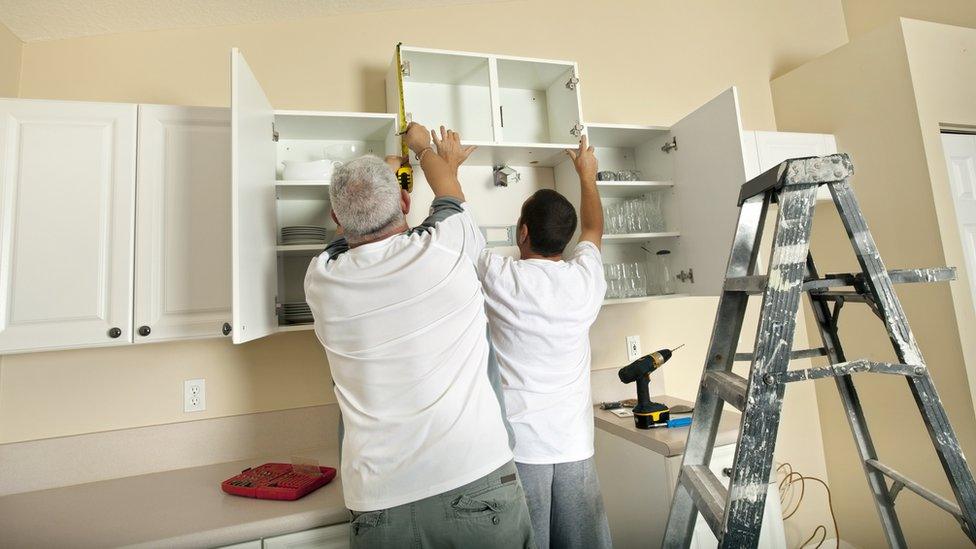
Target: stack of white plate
(304, 234)
(296, 313)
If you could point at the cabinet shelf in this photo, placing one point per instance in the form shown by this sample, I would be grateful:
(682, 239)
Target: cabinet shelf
(300, 249)
(623, 300)
(637, 237)
(630, 189)
(296, 327)
(301, 190)
(538, 155)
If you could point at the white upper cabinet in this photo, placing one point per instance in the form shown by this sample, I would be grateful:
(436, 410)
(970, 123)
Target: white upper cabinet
(519, 111)
(268, 270)
(183, 246)
(771, 148)
(67, 190)
(253, 239)
(709, 170)
(688, 178)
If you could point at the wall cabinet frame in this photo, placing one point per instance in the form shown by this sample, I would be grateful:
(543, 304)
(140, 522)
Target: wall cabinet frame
(67, 191)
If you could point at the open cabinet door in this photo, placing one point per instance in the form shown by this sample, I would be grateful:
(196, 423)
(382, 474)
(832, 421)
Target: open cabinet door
(709, 170)
(253, 225)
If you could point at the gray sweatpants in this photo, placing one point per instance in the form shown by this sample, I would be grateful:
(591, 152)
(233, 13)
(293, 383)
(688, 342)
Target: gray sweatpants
(487, 513)
(565, 505)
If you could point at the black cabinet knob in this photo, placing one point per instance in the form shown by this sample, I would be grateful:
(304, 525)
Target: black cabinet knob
(114, 333)
(144, 331)
(727, 472)
(226, 329)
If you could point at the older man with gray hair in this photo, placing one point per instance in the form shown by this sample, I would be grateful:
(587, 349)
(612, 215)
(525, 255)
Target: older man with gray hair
(426, 460)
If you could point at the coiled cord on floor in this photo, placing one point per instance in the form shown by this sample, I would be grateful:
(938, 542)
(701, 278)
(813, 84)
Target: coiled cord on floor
(791, 502)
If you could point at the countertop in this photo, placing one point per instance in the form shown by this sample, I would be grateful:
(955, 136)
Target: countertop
(181, 508)
(665, 441)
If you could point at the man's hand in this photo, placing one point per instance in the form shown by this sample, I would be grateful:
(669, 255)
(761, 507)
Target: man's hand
(417, 137)
(449, 147)
(584, 160)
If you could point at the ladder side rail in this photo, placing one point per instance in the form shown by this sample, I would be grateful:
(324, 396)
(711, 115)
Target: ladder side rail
(906, 347)
(855, 418)
(774, 343)
(725, 338)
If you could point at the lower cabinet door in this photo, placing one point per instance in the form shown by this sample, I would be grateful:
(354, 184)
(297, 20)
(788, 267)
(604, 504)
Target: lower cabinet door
(67, 191)
(328, 537)
(182, 266)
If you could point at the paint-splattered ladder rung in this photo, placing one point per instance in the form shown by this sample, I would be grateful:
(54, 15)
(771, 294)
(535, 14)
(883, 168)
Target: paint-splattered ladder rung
(728, 386)
(708, 492)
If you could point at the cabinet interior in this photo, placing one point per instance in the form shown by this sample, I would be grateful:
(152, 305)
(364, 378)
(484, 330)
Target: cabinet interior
(307, 136)
(626, 147)
(449, 89)
(536, 105)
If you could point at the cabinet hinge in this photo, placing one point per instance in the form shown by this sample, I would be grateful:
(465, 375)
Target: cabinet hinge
(577, 130)
(405, 68)
(686, 277)
(670, 145)
(274, 133)
(572, 82)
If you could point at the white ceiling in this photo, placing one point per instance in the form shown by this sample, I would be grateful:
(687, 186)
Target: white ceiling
(34, 20)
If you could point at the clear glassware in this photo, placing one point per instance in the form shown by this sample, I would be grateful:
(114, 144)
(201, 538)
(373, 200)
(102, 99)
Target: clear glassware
(614, 275)
(665, 280)
(640, 278)
(643, 222)
(655, 212)
(620, 218)
(631, 279)
(606, 175)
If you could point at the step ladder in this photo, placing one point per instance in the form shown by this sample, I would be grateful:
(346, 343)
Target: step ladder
(735, 513)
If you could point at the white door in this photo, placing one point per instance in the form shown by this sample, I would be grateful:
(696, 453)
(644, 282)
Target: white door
(328, 537)
(253, 222)
(960, 151)
(183, 244)
(67, 186)
(709, 171)
(775, 147)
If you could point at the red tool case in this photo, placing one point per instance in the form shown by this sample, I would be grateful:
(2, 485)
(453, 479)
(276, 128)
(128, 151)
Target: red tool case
(276, 481)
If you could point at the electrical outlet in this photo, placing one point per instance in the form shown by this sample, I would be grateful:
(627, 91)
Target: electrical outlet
(633, 348)
(194, 395)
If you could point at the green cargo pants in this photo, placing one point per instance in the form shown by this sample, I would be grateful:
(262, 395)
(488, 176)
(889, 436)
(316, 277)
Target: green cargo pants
(488, 513)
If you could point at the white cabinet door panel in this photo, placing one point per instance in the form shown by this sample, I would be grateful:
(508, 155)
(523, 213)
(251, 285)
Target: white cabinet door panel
(328, 537)
(253, 226)
(775, 147)
(67, 188)
(960, 152)
(709, 170)
(183, 248)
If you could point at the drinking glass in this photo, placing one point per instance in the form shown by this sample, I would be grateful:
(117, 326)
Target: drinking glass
(664, 278)
(640, 279)
(614, 276)
(655, 212)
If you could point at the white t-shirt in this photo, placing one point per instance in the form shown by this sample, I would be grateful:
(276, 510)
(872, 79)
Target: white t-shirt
(403, 324)
(539, 316)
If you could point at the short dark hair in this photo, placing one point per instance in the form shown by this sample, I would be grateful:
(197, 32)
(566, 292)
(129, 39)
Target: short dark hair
(550, 220)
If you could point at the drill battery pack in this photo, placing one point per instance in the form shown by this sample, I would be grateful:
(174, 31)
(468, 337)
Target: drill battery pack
(650, 415)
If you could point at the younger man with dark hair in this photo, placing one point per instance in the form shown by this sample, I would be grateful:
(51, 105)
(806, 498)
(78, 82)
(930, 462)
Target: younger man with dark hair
(540, 308)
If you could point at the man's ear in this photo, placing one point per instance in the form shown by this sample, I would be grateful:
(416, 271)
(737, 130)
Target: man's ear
(523, 234)
(334, 218)
(404, 202)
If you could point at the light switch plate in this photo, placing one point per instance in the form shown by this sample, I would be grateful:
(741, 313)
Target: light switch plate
(194, 395)
(633, 348)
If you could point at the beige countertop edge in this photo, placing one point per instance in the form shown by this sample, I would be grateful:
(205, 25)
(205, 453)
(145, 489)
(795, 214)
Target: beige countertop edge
(179, 508)
(664, 441)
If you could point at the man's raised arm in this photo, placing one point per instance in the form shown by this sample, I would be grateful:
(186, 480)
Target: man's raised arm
(440, 166)
(591, 210)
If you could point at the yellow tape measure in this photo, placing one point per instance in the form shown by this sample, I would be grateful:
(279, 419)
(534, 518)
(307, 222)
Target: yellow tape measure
(404, 173)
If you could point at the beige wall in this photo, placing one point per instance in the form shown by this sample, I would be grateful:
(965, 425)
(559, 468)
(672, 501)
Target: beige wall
(641, 62)
(866, 15)
(864, 94)
(10, 53)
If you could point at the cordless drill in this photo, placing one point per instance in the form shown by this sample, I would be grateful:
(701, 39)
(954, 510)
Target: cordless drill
(647, 414)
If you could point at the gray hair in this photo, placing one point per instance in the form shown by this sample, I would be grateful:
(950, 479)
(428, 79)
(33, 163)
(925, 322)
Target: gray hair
(365, 197)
